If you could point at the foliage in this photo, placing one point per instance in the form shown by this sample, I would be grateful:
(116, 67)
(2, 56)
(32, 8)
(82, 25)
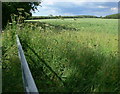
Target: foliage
(86, 60)
(11, 68)
(57, 17)
(11, 8)
(113, 16)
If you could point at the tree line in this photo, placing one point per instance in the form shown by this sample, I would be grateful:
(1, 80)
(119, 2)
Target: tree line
(113, 16)
(62, 17)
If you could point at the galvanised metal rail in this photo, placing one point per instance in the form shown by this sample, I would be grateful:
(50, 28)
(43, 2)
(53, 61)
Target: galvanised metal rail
(28, 81)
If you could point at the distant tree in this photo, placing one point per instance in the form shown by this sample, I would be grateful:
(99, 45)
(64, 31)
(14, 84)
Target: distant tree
(51, 15)
(56, 17)
(113, 16)
(60, 16)
(9, 8)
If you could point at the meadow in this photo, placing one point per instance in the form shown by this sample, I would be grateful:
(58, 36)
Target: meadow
(64, 55)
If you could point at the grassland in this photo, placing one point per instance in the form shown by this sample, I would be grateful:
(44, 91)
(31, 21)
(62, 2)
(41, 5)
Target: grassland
(85, 24)
(83, 53)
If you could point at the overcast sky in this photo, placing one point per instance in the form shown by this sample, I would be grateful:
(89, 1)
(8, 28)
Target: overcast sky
(75, 7)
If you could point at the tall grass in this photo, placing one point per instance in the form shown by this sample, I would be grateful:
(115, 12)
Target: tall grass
(85, 61)
(11, 68)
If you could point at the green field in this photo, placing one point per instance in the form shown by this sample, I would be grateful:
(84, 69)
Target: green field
(86, 24)
(83, 53)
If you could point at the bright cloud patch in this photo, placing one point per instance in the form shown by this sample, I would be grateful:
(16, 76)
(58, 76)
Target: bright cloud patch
(102, 7)
(114, 8)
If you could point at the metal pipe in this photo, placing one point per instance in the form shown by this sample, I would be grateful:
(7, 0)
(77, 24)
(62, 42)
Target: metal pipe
(28, 81)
